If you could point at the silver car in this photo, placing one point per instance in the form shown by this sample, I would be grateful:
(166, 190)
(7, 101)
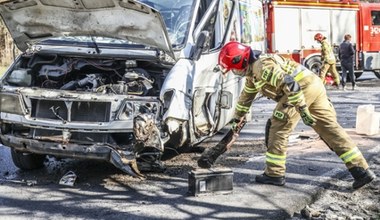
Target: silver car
(129, 82)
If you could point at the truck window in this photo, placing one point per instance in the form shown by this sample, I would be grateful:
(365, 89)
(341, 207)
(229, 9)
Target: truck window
(375, 17)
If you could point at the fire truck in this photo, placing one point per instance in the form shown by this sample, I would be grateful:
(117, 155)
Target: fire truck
(291, 26)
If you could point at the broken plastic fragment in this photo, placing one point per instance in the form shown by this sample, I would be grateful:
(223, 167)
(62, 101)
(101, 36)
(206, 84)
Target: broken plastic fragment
(68, 179)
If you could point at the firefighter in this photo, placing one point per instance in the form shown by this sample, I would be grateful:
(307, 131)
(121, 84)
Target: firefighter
(299, 94)
(328, 60)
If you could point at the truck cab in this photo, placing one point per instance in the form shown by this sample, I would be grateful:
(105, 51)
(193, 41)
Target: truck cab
(369, 37)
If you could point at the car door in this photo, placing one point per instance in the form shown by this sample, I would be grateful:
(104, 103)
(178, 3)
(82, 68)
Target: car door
(213, 95)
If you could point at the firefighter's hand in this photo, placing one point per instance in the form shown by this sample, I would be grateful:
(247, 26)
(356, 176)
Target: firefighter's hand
(307, 118)
(237, 123)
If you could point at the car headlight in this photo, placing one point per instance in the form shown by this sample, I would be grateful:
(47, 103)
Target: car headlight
(11, 103)
(131, 109)
(126, 112)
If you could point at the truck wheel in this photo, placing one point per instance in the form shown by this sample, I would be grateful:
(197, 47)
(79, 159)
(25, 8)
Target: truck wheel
(314, 64)
(377, 74)
(27, 161)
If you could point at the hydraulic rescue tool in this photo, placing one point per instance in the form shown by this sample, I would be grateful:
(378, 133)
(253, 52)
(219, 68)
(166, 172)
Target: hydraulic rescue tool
(210, 155)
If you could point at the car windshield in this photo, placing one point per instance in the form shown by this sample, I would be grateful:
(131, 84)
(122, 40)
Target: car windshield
(177, 17)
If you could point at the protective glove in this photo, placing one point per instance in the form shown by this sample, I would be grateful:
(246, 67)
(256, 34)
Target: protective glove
(237, 123)
(307, 118)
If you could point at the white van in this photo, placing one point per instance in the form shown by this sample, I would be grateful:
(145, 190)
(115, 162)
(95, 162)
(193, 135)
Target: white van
(119, 80)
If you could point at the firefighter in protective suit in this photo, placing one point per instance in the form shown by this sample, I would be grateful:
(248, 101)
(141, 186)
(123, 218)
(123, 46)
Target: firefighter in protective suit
(300, 94)
(328, 60)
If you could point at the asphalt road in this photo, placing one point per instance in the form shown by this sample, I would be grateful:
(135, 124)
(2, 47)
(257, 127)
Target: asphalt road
(103, 192)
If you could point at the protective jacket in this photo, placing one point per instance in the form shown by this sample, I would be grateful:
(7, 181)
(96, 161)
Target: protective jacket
(327, 54)
(328, 63)
(274, 77)
(293, 86)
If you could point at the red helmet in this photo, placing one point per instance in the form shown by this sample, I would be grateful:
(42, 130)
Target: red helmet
(318, 37)
(234, 55)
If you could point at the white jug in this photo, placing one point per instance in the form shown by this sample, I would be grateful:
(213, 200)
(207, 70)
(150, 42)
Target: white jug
(367, 120)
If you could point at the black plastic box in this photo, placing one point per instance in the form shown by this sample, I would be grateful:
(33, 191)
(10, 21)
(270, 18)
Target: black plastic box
(206, 181)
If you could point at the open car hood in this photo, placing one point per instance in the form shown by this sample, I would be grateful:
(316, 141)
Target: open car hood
(30, 21)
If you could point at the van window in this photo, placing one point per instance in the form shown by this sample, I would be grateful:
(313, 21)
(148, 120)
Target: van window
(210, 27)
(375, 17)
(217, 23)
(226, 9)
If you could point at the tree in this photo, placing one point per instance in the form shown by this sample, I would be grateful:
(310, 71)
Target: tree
(8, 50)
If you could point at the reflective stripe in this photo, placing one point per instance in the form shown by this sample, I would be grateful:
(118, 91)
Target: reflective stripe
(242, 108)
(350, 155)
(301, 75)
(298, 70)
(274, 78)
(250, 90)
(275, 159)
(259, 84)
(287, 67)
(294, 98)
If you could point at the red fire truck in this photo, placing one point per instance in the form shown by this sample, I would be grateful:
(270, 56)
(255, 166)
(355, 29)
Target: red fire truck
(292, 24)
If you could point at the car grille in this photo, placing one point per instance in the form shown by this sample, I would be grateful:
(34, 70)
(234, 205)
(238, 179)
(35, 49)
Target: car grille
(73, 111)
(83, 137)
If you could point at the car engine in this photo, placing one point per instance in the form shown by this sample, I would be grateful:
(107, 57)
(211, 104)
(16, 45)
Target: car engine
(123, 77)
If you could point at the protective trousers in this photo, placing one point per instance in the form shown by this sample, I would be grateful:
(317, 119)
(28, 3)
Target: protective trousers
(285, 119)
(331, 68)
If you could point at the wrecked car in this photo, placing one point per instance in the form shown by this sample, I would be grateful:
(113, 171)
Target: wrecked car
(129, 82)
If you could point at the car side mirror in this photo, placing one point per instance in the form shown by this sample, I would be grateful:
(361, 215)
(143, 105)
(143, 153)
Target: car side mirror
(200, 44)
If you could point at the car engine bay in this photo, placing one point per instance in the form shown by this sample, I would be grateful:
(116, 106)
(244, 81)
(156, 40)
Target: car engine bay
(106, 76)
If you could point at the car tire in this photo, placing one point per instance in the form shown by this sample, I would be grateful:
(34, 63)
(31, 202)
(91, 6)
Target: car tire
(314, 64)
(27, 161)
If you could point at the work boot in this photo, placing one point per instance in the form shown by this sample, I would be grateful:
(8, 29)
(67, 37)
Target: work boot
(361, 176)
(263, 178)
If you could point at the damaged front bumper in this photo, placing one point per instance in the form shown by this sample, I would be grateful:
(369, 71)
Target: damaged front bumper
(114, 128)
(124, 160)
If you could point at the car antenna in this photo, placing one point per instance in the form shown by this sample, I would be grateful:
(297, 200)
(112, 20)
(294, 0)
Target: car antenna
(95, 44)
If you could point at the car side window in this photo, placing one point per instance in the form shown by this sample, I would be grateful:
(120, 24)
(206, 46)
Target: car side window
(217, 22)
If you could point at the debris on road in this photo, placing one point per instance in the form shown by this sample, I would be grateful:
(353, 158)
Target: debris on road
(68, 179)
(27, 182)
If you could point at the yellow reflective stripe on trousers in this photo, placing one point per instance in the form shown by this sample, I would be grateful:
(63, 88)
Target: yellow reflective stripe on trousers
(350, 155)
(275, 159)
(242, 108)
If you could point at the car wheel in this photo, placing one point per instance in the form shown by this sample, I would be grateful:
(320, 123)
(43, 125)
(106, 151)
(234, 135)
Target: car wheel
(27, 161)
(377, 74)
(314, 64)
